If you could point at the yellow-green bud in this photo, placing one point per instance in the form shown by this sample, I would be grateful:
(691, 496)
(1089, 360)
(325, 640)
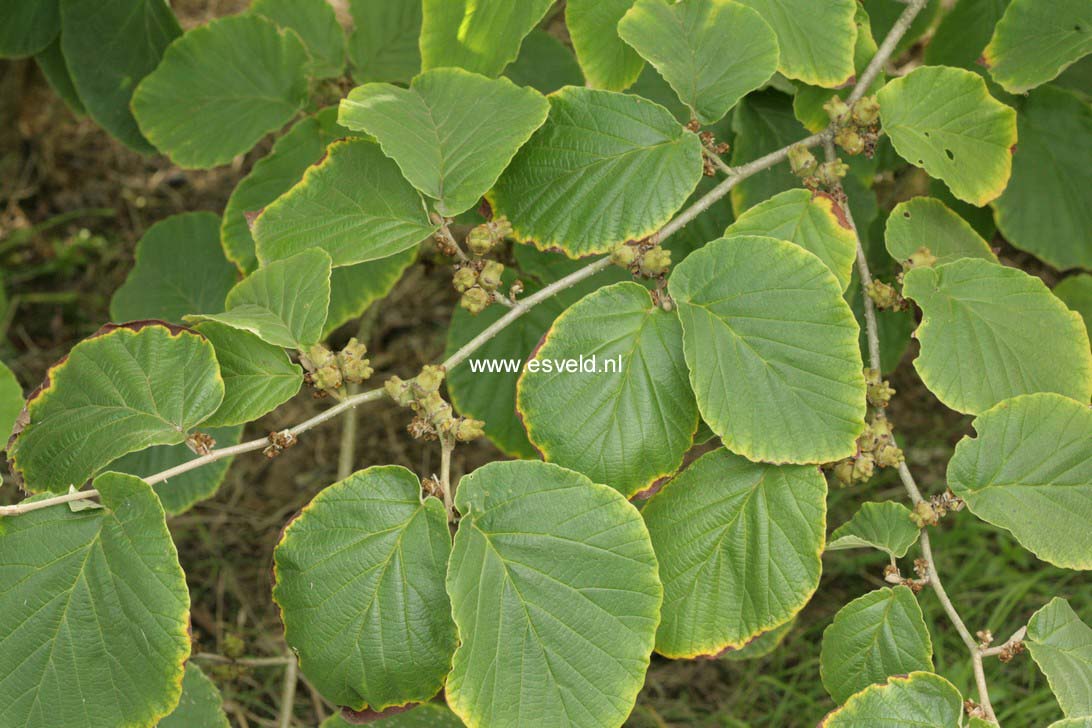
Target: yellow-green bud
(356, 371)
(399, 390)
(843, 471)
(501, 228)
(469, 429)
(476, 300)
(490, 277)
(836, 109)
(802, 161)
(434, 408)
(480, 240)
(354, 349)
(889, 456)
(655, 261)
(866, 112)
(849, 140)
(319, 356)
(883, 295)
(831, 173)
(863, 467)
(924, 515)
(623, 255)
(464, 279)
(430, 379)
(879, 394)
(327, 377)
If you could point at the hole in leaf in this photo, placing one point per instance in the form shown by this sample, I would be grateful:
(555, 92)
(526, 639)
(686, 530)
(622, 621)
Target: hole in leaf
(926, 135)
(906, 215)
(1077, 28)
(950, 155)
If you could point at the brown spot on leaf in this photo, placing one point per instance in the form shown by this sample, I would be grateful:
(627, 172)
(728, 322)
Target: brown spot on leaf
(836, 208)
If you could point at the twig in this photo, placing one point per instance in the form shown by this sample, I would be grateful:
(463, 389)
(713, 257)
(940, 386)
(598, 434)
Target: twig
(248, 661)
(288, 695)
(680, 221)
(446, 447)
(1017, 637)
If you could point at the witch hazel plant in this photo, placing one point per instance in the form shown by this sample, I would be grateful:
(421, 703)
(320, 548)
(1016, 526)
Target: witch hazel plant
(583, 201)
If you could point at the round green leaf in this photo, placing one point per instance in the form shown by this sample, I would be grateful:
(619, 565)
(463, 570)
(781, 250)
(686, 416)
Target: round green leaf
(482, 36)
(429, 715)
(1061, 645)
(763, 122)
(448, 149)
(885, 526)
(96, 624)
(355, 205)
(963, 33)
(923, 222)
(283, 303)
(205, 103)
(1084, 722)
(181, 492)
(989, 332)
(384, 43)
(608, 62)
(51, 63)
(919, 699)
(201, 705)
(814, 222)
(555, 594)
(109, 46)
(625, 415)
(604, 168)
(944, 120)
(11, 400)
(355, 287)
(1035, 41)
(1076, 292)
(123, 389)
(272, 176)
(739, 545)
(1043, 210)
(772, 350)
(180, 269)
(317, 26)
(872, 638)
(258, 377)
(360, 584)
(816, 38)
(762, 645)
(1030, 471)
(712, 52)
(545, 64)
(807, 102)
(27, 26)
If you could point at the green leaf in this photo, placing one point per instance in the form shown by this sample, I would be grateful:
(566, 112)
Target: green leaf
(205, 104)
(180, 269)
(1029, 471)
(608, 62)
(482, 36)
(258, 377)
(597, 148)
(814, 222)
(1083, 722)
(109, 46)
(201, 705)
(95, 612)
(923, 222)
(884, 526)
(1023, 339)
(762, 645)
(181, 492)
(712, 52)
(384, 43)
(1076, 293)
(627, 428)
(355, 205)
(51, 63)
(123, 389)
(317, 26)
(27, 26)
(545, 64)
(11, 401)
(807, 103)
(772, 350)
(272, 176)
(872, 638)
(448, 149)
(944, 120)
(555, 594)
(429, 715)
(763, 122)
(283, 303)
(963, 33)
(360, 583)
(817, 39)
(920, 698)
(355, 287)
(1061, 645)
(1035, 41)
(1042, 210)
(739, 545)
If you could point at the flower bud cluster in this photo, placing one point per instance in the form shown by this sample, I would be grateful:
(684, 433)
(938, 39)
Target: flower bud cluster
(478, 280)
(856, 128)
(329, 372)
(434, 417)
(875, 449)
(642, 258)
